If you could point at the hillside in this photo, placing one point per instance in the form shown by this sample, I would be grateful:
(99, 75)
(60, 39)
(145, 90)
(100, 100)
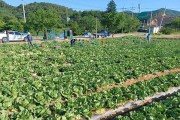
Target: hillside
(169, 13)
(6, 9)
(32, 7)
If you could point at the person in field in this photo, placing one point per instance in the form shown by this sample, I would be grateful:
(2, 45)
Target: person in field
(7, 35)
(29, 40)
(148, 37)
(72, 40)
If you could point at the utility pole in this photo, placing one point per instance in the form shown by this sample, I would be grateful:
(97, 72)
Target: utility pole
(24, 14)
(132, 8)
(139, 7)
(164, 14)
(150, 22)
(96, 27)
(1, 3)
(67, 17)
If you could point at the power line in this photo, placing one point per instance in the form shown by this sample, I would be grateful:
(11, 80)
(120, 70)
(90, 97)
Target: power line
(123, 9)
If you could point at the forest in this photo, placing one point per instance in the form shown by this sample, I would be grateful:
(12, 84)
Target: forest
(42, 17)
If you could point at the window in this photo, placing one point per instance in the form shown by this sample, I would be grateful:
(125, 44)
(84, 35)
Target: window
(17, 33)
(12, 33)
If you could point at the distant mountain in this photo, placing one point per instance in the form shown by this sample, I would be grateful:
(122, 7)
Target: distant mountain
(169, 16)
(32, 7)
(6, 9)
(169, 13)
(157, 13)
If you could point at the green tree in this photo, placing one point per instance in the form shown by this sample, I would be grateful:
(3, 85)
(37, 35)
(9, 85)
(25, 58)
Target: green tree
(111, 21)
(116, 22)
(12, 23)
(76, 28)
(2, 23)
(43, 20)
(121, 22)
(131, 24)
(111, 7)
(175, 24)
(91, 26)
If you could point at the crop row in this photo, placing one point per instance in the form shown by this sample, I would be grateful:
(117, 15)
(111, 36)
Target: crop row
(30, 80)
(87, 105)
(165, 109)
(33, 106)
(86, 68)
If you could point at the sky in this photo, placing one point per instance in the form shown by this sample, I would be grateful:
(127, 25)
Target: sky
(145, 5)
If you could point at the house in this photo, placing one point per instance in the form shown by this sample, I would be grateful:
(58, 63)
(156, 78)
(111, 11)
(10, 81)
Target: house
(154, 29)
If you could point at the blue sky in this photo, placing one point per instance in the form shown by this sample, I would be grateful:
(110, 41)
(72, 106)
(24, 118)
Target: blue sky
(146, 5)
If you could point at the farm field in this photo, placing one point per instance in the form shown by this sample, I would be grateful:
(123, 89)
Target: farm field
(74, 82)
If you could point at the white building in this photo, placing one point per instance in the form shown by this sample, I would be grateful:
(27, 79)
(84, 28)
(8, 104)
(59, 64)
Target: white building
(154, 29)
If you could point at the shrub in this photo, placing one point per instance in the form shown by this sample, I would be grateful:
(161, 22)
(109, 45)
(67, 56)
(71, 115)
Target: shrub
(167, 30)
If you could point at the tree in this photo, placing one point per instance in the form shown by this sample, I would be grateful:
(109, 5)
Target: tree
(12, 23)
(131, 24)
(2, 23)
(111, 21)
(111, 7)
(91, 26)
(75, 28)
(116, 22)
(121, 22)
(42, 20)
(175, 24)
(171, 27)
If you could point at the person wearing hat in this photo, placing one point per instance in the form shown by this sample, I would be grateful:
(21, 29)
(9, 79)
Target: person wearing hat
(29, 40)
(148, 37)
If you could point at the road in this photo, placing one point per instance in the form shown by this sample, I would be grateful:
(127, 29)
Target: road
(137, 34)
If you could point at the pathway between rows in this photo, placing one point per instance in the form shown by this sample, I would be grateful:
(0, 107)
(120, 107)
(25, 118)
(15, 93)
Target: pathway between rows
(127, 83)
(133, 81)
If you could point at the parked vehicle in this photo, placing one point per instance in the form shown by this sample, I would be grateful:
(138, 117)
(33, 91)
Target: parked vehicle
(60, 36)
(103, 33)
(13, 36)
(88, 35)
(142, 29)
(2, 36)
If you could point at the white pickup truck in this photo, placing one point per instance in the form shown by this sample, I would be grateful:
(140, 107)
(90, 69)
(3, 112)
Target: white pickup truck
(13, 36)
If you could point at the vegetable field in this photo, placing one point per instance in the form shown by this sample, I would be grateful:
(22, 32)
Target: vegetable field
(76, 82)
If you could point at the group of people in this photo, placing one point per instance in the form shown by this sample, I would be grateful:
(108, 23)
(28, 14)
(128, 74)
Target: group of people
(72, 40)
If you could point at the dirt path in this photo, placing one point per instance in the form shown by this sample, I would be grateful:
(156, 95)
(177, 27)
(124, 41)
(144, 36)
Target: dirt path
(36, 41)
(136, 34)
(143, 35)
(140, 79)
(133, 105)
